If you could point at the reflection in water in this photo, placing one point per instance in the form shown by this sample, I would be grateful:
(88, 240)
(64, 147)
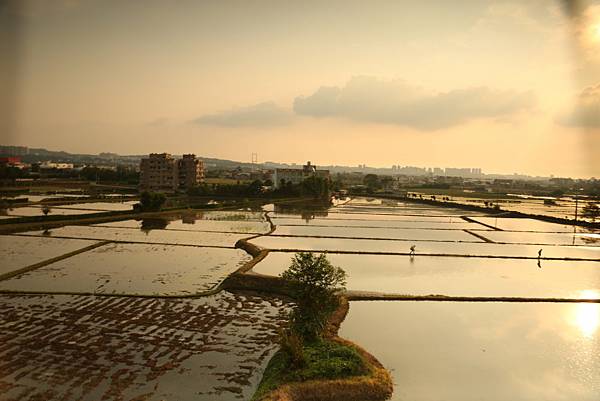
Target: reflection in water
(188, 218)
(478, 351)
(587, 316)
(307, 210)
(155, 223)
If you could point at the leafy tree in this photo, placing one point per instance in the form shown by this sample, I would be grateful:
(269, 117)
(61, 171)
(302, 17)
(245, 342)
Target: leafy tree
(152, 201)
(314, 282)
(372, 182)
(255, 187)
(591, 210)
(317, 187)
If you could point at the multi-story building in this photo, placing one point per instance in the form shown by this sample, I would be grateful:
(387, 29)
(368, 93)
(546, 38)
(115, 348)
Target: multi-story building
(162, 172)
(191, 171)
(296, 176)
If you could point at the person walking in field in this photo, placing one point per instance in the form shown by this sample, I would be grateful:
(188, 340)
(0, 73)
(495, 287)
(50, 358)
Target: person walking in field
(540, 253)
(412, 250)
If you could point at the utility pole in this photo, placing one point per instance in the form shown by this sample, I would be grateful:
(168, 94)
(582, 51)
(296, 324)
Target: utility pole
(576, 206)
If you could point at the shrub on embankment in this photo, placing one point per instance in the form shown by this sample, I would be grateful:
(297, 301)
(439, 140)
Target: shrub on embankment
(313, 363)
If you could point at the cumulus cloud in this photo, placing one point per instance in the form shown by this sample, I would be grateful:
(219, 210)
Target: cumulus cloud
(260, 115)
(369, 99)
(587, 111)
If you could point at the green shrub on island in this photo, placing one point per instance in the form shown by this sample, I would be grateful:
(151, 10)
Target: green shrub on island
(322, 360)
(307, 352)
(315, 285)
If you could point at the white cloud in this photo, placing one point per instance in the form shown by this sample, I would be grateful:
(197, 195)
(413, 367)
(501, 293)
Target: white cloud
(368, 99)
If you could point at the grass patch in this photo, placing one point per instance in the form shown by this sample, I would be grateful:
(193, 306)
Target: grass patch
(324, 360)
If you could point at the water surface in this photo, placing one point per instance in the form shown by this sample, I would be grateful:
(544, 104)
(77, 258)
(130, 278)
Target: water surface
(150, 236)
(17, 252)
(457, 276)
(99, 348)
(137, 269)
(482, 351)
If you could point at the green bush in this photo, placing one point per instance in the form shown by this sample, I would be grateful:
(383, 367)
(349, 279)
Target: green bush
(322, 360)
(291, 345)
(314, 284)
(151, 201)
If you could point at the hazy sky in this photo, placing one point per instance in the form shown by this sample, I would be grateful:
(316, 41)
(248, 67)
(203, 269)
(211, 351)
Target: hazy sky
(508, 86)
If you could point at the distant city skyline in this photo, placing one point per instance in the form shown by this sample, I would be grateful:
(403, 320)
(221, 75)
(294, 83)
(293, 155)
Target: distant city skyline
(501, 85)
(401, 169)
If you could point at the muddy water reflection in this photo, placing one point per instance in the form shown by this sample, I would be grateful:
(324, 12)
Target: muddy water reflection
(92, 348)
(457, 276)
(17, 252)
(139, 269)
(474, 351)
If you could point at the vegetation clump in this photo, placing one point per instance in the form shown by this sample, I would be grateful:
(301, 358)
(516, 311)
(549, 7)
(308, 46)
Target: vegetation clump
(310, 355)
(150, 202)
(591, 210)
(315, 282)
(321, 360)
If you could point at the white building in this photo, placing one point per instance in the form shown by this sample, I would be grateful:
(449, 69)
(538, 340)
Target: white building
(296, 175)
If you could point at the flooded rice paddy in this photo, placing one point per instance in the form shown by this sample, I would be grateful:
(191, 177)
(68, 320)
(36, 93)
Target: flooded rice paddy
(591, 239)
(453, 276)
(97, 348)
(215, 347)
(135, 269)
(482, 351)
(427, 223)
(32, 211)
(19, 252)
(154, 236)
(423, 248)
(383, 233)
(335, 214)
(527, 225)
(237, 226)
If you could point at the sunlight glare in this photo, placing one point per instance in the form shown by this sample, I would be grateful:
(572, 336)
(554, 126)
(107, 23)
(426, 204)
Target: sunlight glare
(587, 315)
(596, 32)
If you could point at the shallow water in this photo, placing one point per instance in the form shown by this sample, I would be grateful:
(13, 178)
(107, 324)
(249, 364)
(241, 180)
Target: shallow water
(456, 276)
(543, 238)
(101, 206)
(516, 224)
(137, 269)
(337, 216)
(453, 224)
(482, 351)
(97, 348)
(425, 247)
(426, 212)
(151, 236)
(29, 211)
(401, 209)
(240, 226)
(388, 233)
(17, 252)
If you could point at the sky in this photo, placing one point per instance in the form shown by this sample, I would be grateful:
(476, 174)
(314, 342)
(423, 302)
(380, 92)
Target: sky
(507, 86)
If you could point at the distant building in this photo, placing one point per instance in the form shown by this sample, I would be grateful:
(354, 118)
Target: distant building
(162, 172)
(296, 176)
(55, 166)
(10, 161)
(191, 171)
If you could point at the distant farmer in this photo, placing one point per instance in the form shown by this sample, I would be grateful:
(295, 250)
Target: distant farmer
(540, 253)
(412, 250)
